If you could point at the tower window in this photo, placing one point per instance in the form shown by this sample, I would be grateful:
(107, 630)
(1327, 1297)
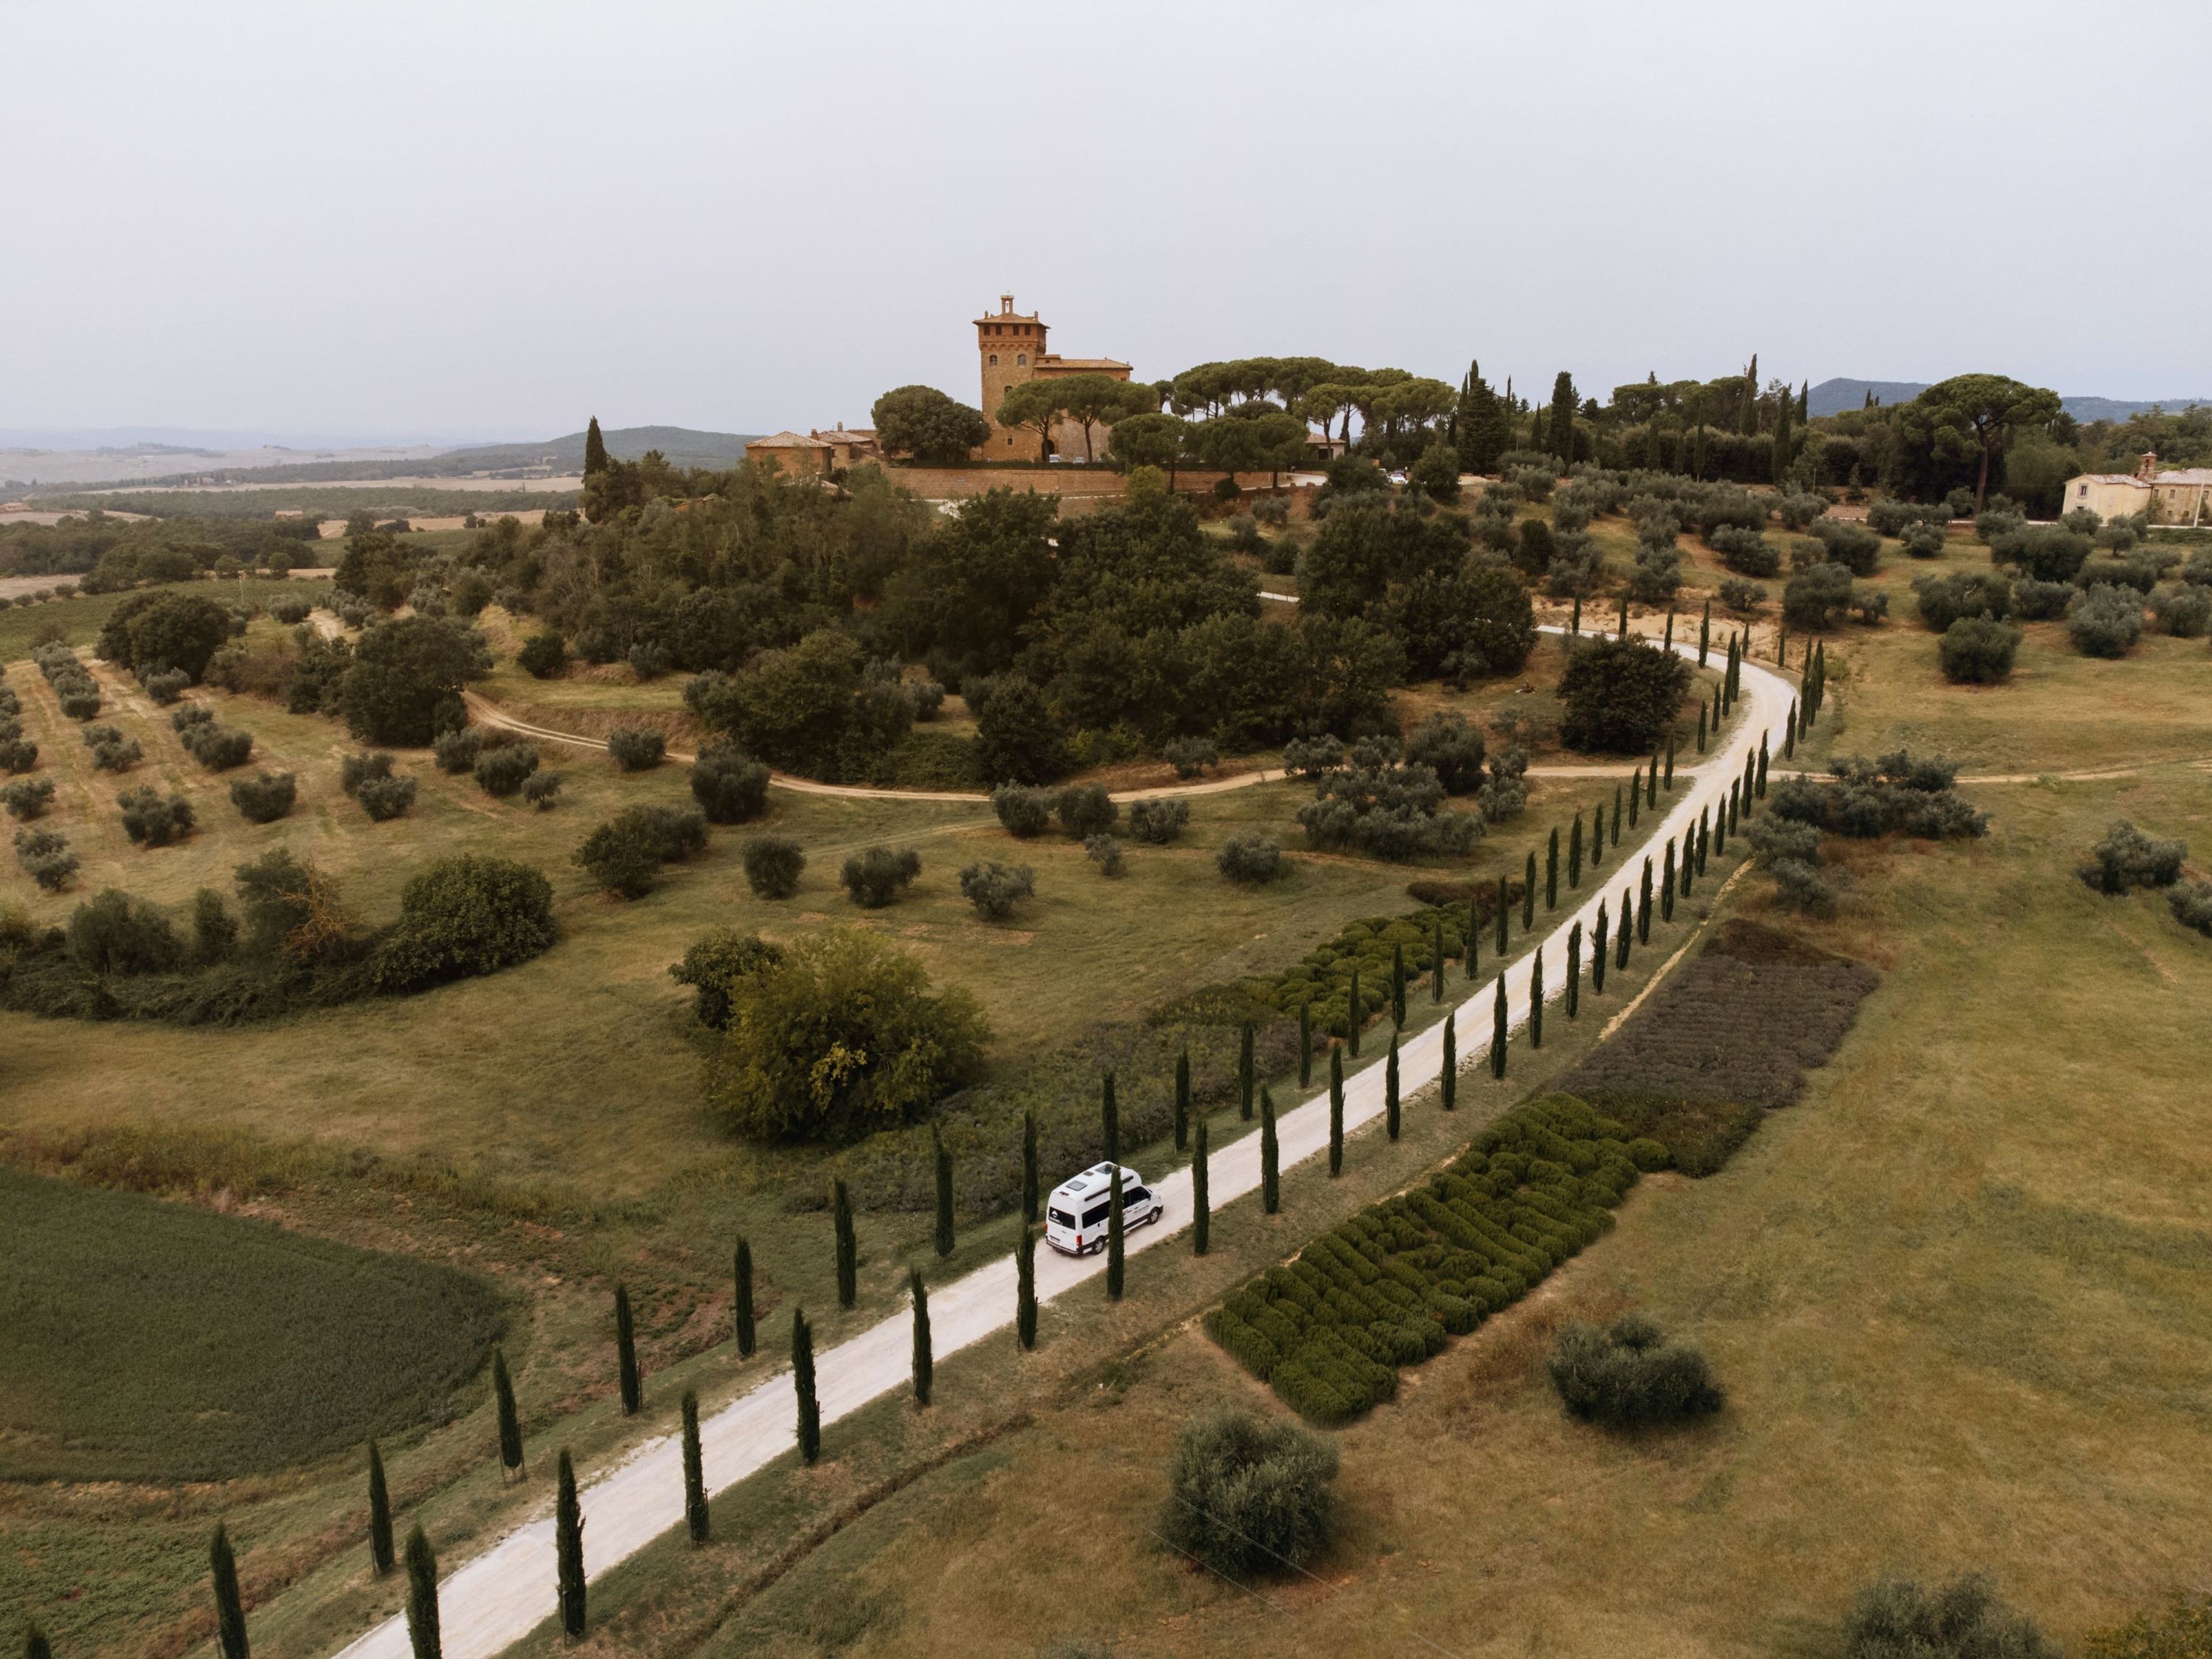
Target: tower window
(1021, 356)
(994, 360)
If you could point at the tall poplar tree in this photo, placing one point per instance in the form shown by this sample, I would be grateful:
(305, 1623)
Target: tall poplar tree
(697, 1519)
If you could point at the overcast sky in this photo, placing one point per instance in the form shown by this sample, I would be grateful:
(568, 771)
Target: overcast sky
(460, 217)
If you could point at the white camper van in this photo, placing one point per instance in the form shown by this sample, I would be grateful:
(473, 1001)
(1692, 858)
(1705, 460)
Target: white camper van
(1075, 1214)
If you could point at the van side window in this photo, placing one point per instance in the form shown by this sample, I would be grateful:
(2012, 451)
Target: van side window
(1092, 1218)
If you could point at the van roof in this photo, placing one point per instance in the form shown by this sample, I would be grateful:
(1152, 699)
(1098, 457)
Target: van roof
(1096, 1179)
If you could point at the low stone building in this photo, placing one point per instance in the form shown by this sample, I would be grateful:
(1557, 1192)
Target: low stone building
(2175, 497)
(818, 452)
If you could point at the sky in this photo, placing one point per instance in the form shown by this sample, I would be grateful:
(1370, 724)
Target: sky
(469, 220)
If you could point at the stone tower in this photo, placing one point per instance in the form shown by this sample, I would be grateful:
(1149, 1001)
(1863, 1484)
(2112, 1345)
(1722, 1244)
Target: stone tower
(1008, 345)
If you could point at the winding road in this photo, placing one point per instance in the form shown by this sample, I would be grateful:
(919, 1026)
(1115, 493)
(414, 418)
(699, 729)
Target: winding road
(499, 1596)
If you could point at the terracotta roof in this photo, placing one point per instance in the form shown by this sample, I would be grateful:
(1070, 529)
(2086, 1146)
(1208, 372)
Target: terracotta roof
(1053, 359)
(785, 441)
(2108, 479)
(2187, 475)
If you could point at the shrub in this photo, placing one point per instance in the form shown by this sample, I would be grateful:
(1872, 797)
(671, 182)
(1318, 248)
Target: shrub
(182, 720)
(730, 786)
(1155, 822)
(1990, 524)
(649, 661)
(45, 858)
(1105, 852)
(1620, 695)
(1086, 808)
(2047, 552)
(110, 751)
(1742, 596)
(152, 822)
(1451, 747)
(544, 655)
(540, 789)
(1018, 739)
(1385, 810)
(1817, 596)
(625, 854)
(995, 889)
(839, 1038)
(503, 771)
(2191, 903)
(636, 749)
(1629, 1376)
(875, 877)
(773, 866)
(462, 916)
(1854, 546)
(1023, 811)
(27, 798)
(385, 797)
(2106, 621)
(2040, 601)
(1976, 651)
(1247, 1496)
(1943, 599)
(1190, 756)
(1744, 550)
(18, 754)
(1895, 1619)
(290, 612)
(166, 687)
(2197, 573)
(2126, 857)
(79, 705)
(218, 748)
(1251, 858)
(2185, 611)
(265, 797)
(457, 750)
(1893, 794)
(1923, 541)
(925, 698)
(716, 963)
(116, 935)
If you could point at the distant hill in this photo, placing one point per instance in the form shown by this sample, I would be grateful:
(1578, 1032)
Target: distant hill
(1834, 397)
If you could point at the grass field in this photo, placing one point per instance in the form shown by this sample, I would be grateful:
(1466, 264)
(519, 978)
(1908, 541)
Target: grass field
(152, 1340)
(79, 618)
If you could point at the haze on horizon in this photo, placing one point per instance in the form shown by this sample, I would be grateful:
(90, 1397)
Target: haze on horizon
(494, 220)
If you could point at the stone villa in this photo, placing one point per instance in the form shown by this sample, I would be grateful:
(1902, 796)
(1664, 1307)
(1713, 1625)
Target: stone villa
(2182, 496)
(1011, 348)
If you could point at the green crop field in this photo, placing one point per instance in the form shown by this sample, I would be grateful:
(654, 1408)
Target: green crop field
(149, 1341)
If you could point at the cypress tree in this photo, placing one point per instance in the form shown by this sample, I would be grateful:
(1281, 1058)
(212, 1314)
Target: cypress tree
(1666, 885)
(1705, 633)
(1635, 803)
(510, 1425)
(1437, 953)
(1596, 853)
(748, 1337)
(1110, 1116)
(632, 1385)
(1390, 1089)
(925, 1361)
(1561, 426)
(1623, 932)
(1201, 1212)
(1473, 937)
(848, 1248)
(943, 1161)
(1789, 731)
(1528, 893)
(1644, 914)
(1536, 999)
(1115, 1245)
(1398, 986)
(1651, 781)
(1705, 844)
(1761, 790)
(569, 1545)
(1624, 615)
(1029, 1150)
(1689, 860)
(380, 1556)
(1026, 1301)
(1670, 764)
(1575, 619)
(1574, 971)
(1614, 838)
(1720, 822)
(1447, 1080)
(1504, 920)
(1701, 725)
(1575, 849)
(1782, 647)
(1738, 793)
(1305, 1067)
(1355, 1013)
(1247, 1076)
(229, 1606)
(1336, 1111)
(1497, 1033)
(1551, 870)
(1270, 1153)
(1668, 641)
(1182, 1078)
(1598, 947)
(423, 1598)
(802, 1382)
(696, 1518)
(595, 449)
(1748, 782)
(36, 1645)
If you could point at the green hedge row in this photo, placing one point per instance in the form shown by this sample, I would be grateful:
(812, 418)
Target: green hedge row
(1329, 1330)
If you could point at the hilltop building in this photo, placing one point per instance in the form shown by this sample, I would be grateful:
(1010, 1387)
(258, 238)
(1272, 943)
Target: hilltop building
(1011, 345)
(818, 452)
(2182, 496)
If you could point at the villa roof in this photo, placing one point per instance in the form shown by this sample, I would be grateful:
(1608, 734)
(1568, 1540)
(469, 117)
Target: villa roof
(785, 441)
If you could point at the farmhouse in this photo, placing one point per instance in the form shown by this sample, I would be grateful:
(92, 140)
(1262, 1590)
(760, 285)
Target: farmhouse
(818, 452)
(2182, 496)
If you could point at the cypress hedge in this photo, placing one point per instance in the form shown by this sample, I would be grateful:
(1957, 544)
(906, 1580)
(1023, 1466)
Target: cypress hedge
(1201, 1211)
(848, 1249)
(696, 1518)
(1448, 1085)
(229, 1606)
(1271, 1174)
(1026, 1301)
(380, 1556)
(510, 1422)
(925, 1360)
(802, 1382)
(943, 1160)
(1390, 1089)
(1116, 1247)
(1497, 1033)
(748, 1337)
(1335, 1111)
(423, 1598)
(633, 1386)
(568, 1548)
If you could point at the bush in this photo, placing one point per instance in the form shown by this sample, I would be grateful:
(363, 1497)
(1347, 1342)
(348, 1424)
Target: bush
(2045, 551)
(1741, 597)
(636, 749)
(464, 916)
(182, 720)
(1247, 1496)
(1629, 1376)
(1018, 739)
(1385, 810)
(1744, 550)
(166, 687)
(2106, 621)
(116, 935)
(2191, 902)
(1105, 852)
(1895, 1619)
(1943, 599)
(265, 797)
(2184, 613)
(716, 963)
(2040, 601)
(875, 877)
(773, 866)
(1251, 858)
(385, 797)
(1086, 808)
(27, 798)
(925, 698)
(79, 705)
(1155, 822)
(995, 889)
(1023, 811)
(45, 858)
(1854, 546)
(18, 754)
(1893, 794)
(625, 854)
(1620, 695)
(457, 750)
(2126, 857)
(543, 656)
(290, 612)
(540, 789)
(1817, 596)
(218, 748)
(1924, 541)
(841, 1037)
(730, 786)
(1451, 747)
(152, 822)
(503, 771)
(1976, 651)
(110, 751)
(1190, 756)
